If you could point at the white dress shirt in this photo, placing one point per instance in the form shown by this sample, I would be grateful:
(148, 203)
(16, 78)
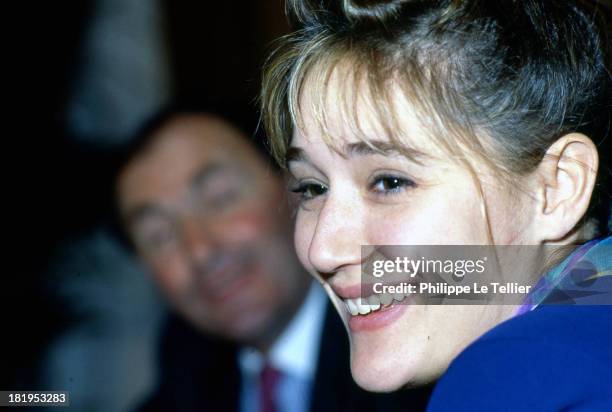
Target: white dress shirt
(294, 354)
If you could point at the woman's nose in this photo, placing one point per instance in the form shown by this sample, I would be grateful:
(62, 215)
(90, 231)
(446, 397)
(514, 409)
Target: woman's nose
(338, 236)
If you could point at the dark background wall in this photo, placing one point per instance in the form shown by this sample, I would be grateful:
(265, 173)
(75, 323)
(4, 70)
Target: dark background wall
(60, 184)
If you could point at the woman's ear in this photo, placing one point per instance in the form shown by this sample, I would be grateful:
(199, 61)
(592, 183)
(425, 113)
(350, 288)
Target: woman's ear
(567, 176)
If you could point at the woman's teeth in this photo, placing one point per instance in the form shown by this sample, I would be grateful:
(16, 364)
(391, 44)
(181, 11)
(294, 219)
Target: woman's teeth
(363, 306)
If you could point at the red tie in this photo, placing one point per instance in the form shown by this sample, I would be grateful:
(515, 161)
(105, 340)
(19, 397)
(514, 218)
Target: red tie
(269, 379)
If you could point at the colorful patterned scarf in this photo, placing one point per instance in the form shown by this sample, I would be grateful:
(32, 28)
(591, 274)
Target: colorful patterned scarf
(584, 277)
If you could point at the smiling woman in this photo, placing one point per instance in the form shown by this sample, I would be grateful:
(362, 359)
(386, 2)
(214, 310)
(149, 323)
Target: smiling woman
(439, 123)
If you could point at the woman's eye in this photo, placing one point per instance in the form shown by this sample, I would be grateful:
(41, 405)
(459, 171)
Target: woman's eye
(309, 191)
(391, 184)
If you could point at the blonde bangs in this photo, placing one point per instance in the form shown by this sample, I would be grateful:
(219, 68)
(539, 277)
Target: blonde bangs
(298, 80)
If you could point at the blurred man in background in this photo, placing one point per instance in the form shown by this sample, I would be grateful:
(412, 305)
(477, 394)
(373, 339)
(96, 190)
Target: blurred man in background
(206, 214)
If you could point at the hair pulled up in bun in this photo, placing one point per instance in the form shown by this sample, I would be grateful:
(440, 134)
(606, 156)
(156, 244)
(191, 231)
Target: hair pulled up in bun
(378, 10)
(500, 79)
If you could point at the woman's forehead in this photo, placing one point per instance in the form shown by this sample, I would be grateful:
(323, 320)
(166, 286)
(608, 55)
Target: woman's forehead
(347, 119)
(342, 104)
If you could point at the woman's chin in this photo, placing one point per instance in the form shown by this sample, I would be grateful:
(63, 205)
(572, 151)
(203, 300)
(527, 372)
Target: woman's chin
(381, 373)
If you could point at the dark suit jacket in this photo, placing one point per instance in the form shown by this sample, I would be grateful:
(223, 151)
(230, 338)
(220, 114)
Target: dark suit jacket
(200, 374)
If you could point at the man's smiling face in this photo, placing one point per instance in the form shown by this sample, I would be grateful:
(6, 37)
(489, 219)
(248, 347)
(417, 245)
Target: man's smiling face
(204, 212)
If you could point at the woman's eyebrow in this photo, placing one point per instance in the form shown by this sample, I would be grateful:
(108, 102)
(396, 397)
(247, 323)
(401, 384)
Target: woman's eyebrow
(379, 147)
(373, 147)
(295, 154)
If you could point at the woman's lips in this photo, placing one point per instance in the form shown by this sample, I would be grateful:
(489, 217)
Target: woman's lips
(378, 319)
(365, 310)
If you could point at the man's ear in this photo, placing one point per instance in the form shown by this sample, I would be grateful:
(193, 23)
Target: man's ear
(567, 176)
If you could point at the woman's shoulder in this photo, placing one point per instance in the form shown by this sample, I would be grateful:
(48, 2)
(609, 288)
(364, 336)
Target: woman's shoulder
(579, 328)
(548, 359)
(547, 338)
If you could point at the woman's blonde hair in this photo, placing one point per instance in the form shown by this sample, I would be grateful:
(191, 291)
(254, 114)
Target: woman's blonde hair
(500, 80)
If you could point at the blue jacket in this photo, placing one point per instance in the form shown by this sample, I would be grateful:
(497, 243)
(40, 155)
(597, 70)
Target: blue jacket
(553, 358)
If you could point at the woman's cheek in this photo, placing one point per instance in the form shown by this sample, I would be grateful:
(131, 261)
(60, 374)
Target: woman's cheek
(425, 218)
(305, 226)
(395, 226)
